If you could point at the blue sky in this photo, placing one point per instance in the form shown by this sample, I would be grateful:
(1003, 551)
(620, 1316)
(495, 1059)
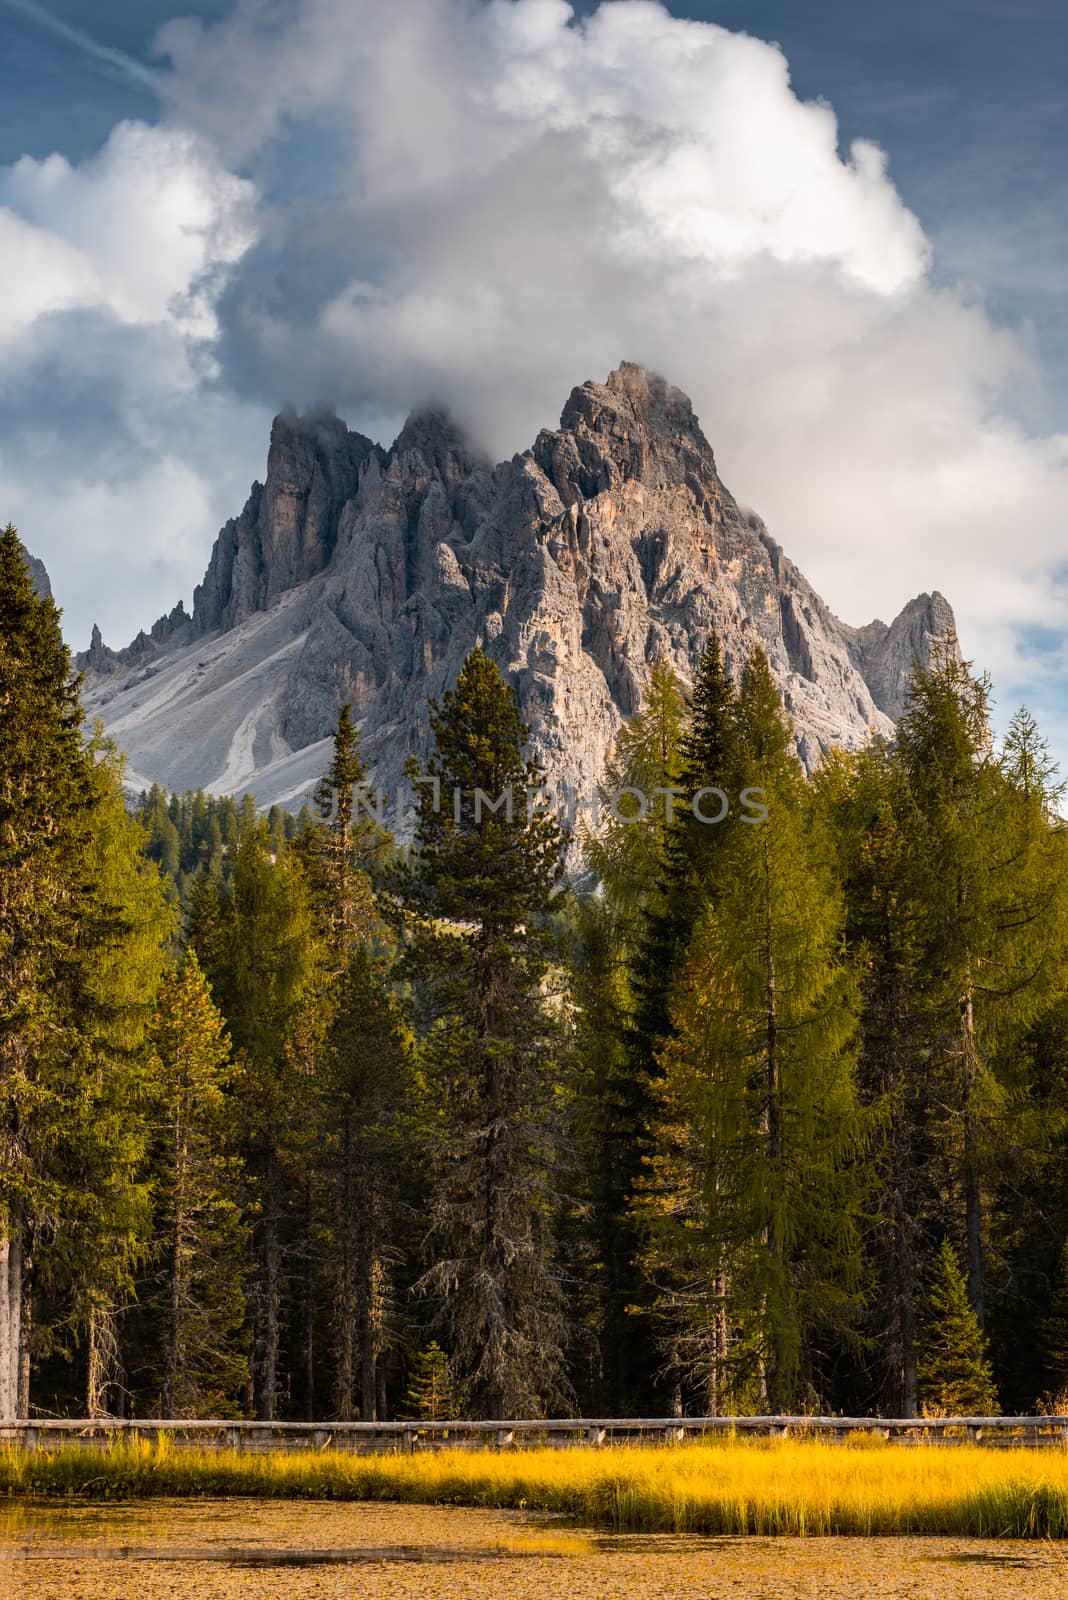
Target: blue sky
(896, 403)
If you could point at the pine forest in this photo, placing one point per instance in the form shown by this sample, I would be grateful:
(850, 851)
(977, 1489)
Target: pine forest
(730, 1108)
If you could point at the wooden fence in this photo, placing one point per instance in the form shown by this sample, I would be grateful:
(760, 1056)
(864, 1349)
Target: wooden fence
(591, 1432)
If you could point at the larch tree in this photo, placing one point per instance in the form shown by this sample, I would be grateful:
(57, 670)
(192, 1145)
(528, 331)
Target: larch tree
(106, 1237)
(194, 1298)
(258, 945)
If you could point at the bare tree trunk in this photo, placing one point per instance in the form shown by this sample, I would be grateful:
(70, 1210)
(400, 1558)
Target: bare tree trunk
(345, 1288)
(973, 1201)
(172, 1361)
(11, 1295)
(370, 1297)
(904, 1305)
(719, 1370)
(309, 1308)
(103, 1363)
(272, 1293)
(93, 1404)
(774, 1111)
(23, 1408)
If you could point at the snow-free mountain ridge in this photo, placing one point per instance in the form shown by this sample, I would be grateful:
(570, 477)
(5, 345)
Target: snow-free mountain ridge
(363, 574)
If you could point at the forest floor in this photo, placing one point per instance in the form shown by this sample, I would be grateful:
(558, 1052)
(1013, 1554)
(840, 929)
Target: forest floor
(281, 1550)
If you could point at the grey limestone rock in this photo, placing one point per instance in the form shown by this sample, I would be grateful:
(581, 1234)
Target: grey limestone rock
(357, 574)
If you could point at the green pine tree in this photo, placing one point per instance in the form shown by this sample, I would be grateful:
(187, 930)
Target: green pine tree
(430, 1397)
(477, 898)
(954, 1373)
(367, 1094)
(338, 850)
(988, 875)
(751, 1204)
(613, 1110)
(81, 936)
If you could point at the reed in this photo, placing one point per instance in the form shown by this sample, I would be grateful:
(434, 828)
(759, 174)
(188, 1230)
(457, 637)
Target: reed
(729, 1487)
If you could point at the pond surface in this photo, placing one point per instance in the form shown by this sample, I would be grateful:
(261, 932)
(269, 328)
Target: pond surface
(286, 1550)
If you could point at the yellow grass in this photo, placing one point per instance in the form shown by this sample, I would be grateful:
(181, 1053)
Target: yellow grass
(787, 1486)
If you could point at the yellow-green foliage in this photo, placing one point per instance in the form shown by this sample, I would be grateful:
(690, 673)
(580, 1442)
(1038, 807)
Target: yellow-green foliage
(740, 1487)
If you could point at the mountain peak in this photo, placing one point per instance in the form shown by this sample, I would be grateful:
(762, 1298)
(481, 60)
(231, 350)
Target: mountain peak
(886, 653)
(361, 575)
(434, 433)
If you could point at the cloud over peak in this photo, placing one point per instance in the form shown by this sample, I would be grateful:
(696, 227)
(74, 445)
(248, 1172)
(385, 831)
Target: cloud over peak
(484, 204)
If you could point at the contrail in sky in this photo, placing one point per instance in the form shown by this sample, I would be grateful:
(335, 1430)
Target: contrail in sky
(125, 65)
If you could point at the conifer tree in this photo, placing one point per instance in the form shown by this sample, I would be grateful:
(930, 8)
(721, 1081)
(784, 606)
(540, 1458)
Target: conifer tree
(258, 947)
(105, 1234)
(954, 1376)
(705, 768)
(751, 1206)
(862, 805)
(613, 1109)
(367, 1098)
(339, 848)
(478, 894)
(1054, 1332)
(194, 1301)
(989, 879)
(79, 928)
(430, 1397)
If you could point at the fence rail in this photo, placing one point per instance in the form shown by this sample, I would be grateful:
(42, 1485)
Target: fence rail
(406, 1437)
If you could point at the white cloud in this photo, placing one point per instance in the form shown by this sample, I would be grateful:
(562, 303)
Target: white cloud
(113, 458)
(516, 201)
(132, 229)
(545, 196)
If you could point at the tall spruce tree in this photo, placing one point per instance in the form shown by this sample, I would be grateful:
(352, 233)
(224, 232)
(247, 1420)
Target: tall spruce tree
(613, 1108)
(368, 1096)
(80, 930)
(993, 920)
(751, 1206)
(340, 847)
(862, 804)
(704, 768)
(488, 859)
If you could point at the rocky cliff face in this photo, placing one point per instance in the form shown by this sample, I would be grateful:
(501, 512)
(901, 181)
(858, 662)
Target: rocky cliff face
(359, 574)
(38, 576)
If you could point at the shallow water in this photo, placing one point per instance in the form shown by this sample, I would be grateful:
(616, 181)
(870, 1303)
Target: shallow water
(286, 1550)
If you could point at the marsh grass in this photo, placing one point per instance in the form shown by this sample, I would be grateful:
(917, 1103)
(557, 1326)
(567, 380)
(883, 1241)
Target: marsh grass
(761, 1487)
